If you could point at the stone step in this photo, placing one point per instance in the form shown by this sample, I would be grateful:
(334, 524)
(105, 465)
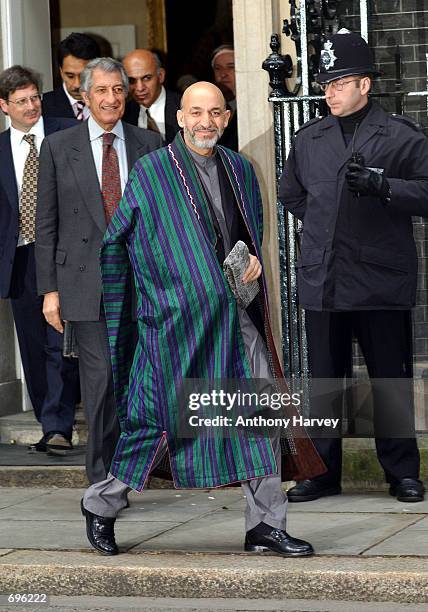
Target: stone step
(68, 477)
(23, 428)
(201, 575)
(361, 469)
(361, 472)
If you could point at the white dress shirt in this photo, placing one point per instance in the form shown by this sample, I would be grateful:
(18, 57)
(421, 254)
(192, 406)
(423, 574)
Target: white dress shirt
(157, 112)
(20, 151)
(96, 137)
(73, 104)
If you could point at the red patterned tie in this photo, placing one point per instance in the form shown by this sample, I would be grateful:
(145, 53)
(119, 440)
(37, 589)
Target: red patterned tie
(111, 189)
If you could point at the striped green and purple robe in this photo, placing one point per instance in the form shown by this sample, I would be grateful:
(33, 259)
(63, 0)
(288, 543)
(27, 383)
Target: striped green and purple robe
(187, 319)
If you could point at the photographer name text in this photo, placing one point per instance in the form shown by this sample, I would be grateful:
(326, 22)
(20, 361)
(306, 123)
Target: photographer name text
(260, 421)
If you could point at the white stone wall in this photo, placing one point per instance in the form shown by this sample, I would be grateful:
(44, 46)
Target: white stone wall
(253, 24)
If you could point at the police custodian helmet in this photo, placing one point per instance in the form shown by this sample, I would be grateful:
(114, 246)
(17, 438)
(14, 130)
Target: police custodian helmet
(345, 54)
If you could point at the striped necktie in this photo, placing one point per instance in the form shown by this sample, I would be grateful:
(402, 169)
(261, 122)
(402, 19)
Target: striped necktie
(79, 110)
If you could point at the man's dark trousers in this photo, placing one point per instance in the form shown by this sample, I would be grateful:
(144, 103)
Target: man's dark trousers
(98, 394)
(385, 338)
(52, 381)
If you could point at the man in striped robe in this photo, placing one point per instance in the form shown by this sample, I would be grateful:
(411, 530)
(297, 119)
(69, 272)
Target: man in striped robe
(184, 208)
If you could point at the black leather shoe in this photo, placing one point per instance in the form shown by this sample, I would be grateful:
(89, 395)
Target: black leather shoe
(38, 447)
(308, 490)
(408, 490)
(277, 541)
(57, 443)
(100, 532)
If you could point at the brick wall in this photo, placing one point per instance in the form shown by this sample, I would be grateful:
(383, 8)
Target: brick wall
(396, 26)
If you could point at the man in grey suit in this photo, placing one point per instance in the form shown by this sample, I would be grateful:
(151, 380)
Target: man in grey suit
(81, 179)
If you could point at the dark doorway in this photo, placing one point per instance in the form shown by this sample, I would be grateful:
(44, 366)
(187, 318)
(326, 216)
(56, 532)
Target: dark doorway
(194, 30)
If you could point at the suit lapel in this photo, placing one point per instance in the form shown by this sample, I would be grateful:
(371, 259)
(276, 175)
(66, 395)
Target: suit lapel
(83, 167)
(7, 170)
(64, 102)
(132, 147)
(63, 105)
(135, 148)
(171, 125)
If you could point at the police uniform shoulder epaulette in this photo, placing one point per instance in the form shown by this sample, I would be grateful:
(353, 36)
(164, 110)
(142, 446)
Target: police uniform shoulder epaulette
(309, 123)
(407, 121)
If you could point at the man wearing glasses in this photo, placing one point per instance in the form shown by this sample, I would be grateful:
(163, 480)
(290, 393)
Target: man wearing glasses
(51, 379)
(355, 178)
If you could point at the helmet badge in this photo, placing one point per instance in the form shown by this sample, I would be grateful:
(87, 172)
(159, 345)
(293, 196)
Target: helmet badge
(327, 57)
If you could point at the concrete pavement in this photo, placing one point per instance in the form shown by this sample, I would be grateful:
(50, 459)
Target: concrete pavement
(217, 604)
(189, 544)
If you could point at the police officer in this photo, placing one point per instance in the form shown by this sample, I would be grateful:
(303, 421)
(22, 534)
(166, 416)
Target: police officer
(355, 178)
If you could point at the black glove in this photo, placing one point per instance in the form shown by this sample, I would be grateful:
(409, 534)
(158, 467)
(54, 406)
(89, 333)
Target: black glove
(363, 181)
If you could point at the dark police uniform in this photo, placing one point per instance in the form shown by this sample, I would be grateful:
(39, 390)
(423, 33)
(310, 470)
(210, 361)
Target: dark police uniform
(357, 269)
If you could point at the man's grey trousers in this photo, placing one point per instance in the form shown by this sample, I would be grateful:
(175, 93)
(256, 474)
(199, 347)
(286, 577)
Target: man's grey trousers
(265, 500)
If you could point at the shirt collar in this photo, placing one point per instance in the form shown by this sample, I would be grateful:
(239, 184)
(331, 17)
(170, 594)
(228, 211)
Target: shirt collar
(159, 103)
(202, 160)
(96, 131)
(72, 100)
(38, 130)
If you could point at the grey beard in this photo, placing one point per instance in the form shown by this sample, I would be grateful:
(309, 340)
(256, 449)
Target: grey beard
(202, 144)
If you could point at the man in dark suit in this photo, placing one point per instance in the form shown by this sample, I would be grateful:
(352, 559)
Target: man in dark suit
(51, 379)
(82, 177)
(151, 105)
(74, 52)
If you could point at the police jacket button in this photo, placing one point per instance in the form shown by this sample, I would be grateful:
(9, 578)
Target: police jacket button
(82, 268)
(76, 210)
(84, 240)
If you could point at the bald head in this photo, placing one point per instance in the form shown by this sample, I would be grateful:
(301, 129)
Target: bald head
(203, 116)
(204, 89)
(145, 76)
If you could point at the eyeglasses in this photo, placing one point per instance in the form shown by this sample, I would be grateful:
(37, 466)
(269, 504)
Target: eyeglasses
(337, 85)
(24, 101)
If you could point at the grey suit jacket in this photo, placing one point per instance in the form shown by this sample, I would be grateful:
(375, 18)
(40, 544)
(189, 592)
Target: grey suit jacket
(70, 221)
